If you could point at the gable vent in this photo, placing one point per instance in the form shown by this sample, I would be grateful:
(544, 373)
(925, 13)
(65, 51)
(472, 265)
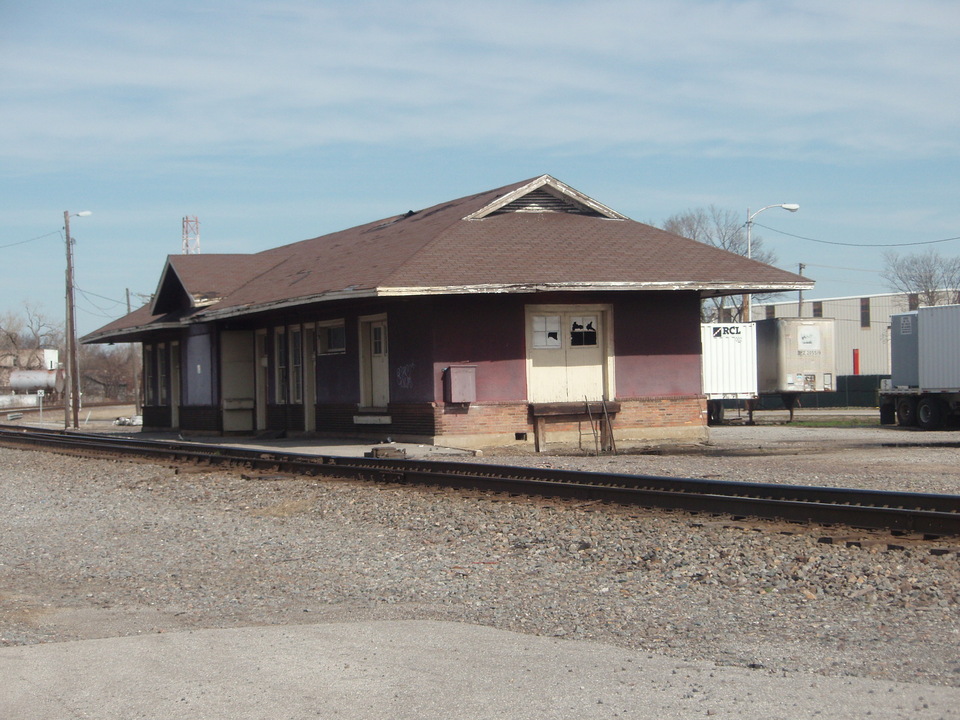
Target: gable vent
(540, 200)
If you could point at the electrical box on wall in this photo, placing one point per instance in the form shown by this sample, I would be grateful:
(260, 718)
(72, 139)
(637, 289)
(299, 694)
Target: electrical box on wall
(460, 384)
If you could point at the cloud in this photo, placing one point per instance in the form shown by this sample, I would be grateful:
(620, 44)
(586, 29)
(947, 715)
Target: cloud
(132, 83)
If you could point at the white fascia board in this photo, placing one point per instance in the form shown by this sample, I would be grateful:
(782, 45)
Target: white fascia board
(590, 286)
(494, 289)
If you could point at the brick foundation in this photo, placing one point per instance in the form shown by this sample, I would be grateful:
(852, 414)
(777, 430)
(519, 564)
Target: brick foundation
(641, 419)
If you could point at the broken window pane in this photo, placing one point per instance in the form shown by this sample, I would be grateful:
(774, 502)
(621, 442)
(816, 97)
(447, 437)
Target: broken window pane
(546, 331)
(583, 331)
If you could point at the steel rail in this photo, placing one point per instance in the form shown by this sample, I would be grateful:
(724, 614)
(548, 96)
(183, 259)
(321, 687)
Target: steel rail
(931, 514)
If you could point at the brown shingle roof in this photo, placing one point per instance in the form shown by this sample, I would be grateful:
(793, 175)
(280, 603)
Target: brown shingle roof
(438, 250)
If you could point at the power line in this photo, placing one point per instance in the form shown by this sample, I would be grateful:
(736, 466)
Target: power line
(87, 292)
(39, 237)
(834, 267)
(864, 245)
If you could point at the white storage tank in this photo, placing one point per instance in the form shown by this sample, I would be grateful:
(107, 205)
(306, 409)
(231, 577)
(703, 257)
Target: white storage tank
(796, 355)
(29, 381)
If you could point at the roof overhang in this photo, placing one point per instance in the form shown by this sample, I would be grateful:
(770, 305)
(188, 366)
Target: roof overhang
(130, 334)
(705, 289)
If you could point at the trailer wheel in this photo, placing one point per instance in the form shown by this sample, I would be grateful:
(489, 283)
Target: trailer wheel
(929, 413)
(907, 412)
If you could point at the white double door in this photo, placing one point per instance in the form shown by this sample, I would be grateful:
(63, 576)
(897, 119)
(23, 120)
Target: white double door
(567, 353)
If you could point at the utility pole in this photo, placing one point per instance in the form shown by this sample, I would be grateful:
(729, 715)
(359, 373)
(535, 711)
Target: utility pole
(800, 295)
(71, 404)
(71, 410)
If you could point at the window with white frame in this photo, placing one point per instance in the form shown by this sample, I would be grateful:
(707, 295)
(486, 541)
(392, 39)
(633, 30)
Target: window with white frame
(296, 365)
(149, 375)
(546, 332)
(281, 366)
(583, 331)
(163, 372)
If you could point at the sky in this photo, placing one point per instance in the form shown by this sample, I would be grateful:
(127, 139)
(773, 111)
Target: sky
(276, 122)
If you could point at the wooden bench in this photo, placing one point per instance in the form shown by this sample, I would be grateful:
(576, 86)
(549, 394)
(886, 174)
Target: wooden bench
(598, 411)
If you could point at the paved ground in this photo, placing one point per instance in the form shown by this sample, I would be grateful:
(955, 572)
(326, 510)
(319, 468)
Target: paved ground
(416, 669)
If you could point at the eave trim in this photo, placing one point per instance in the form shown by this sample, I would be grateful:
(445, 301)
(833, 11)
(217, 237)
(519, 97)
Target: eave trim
(498, 289)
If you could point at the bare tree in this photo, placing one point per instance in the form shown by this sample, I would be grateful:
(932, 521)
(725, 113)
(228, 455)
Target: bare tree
(106, 372)
(40, 330)
(11, 332)
(934, 279)
(724, 229)
(27, 330)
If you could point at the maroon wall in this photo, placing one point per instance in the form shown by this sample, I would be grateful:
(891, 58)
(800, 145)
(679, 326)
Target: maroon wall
(657, 339)
(486, 331)
(410, 332)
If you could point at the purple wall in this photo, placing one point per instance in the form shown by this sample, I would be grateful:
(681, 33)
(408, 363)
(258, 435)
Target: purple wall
(487, 332)
(410, 333)
(656, 341)
(657, 337)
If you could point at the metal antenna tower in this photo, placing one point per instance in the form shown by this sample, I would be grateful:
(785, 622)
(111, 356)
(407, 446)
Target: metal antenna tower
(191, 236)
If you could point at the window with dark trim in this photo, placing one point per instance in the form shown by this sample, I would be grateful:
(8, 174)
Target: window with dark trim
(817, 308)
(865, 312)
(770, 312)
(913, 301)
(331, 338)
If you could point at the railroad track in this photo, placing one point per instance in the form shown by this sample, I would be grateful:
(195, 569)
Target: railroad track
(917, 513)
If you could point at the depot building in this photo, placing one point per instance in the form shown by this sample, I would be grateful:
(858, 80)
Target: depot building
(520, 314)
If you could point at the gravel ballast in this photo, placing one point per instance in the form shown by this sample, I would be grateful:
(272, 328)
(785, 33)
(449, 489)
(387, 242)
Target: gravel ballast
(93, 548)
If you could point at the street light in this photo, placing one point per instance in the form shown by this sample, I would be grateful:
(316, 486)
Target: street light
(792, 207)
(72, 385)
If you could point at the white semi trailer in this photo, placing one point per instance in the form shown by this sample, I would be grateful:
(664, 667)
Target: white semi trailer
(924, 386)
(729, 365)
(787, 357)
